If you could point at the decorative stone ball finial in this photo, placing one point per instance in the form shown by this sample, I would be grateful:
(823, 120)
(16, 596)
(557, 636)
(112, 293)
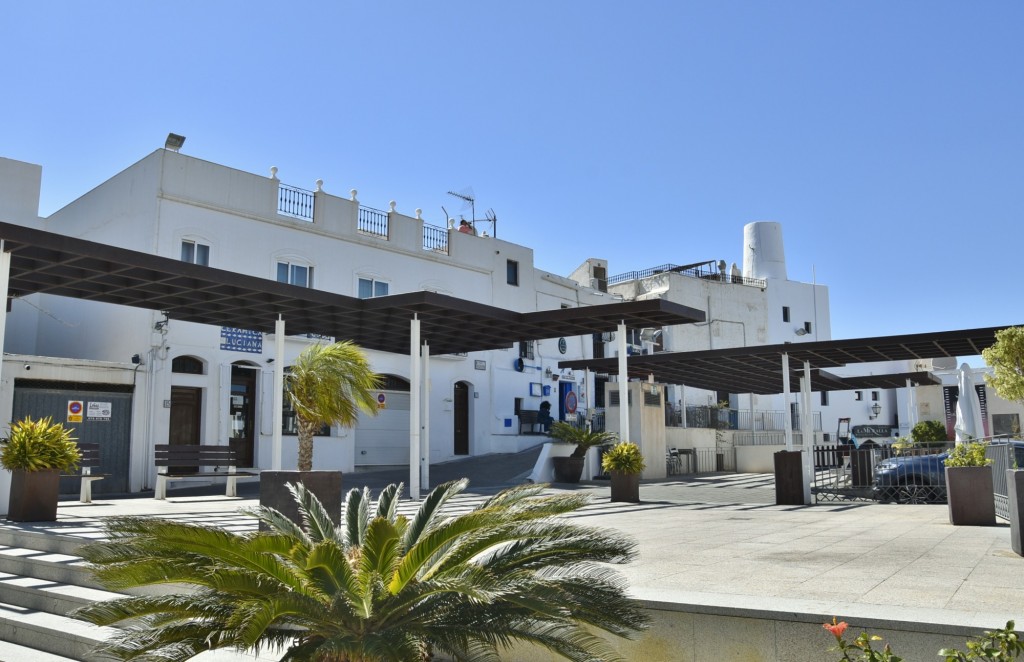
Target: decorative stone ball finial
(354, 192)
(273, 172)
(393, 205)
(319, 186)
(419, 214)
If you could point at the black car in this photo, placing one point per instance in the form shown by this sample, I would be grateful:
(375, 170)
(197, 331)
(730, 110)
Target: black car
(920, 478)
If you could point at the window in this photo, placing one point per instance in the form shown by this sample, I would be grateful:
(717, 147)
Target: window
(295, 274)
(785, 313)
(369, 288)
(858, 395)
(807, 327)
(195, 253)
(824, 398)
(189, 365)
(874, 396)
(512, 272)
(526, 349)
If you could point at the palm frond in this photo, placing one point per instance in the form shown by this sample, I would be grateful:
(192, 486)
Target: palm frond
(429, 508)
(315, 518)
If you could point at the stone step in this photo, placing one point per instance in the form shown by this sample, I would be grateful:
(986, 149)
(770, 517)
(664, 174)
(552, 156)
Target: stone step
(49, 596)
(14, 653)
(51, 566)
(11, 536)
(51, 633)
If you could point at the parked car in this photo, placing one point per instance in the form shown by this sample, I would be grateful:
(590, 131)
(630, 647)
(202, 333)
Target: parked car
(920, 478)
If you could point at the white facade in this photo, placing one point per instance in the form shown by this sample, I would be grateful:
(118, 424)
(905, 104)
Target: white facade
(169, 200)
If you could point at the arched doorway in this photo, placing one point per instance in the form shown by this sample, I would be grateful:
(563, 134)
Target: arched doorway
(461, 440)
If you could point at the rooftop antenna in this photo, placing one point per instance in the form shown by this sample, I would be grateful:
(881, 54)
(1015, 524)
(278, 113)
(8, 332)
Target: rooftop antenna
(467, 197)
(493, 218)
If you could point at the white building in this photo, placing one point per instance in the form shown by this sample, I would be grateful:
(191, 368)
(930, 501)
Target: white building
(190, 383)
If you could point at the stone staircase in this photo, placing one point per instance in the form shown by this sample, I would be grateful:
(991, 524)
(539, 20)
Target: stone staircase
(41, 580)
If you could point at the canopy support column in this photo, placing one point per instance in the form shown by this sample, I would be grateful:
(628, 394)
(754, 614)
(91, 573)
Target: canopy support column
(278, 399)
(620, 336)
(414, 408)
(787, 416)
(425, 451)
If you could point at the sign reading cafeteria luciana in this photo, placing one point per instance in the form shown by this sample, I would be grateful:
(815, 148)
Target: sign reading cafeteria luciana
(241, 340)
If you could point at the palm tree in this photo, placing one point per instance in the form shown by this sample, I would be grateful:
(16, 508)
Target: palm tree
(584, 438)
(328, 385)
(378, 588)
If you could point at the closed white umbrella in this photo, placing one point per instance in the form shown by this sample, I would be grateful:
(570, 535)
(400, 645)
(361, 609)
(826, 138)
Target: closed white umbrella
(968, 409)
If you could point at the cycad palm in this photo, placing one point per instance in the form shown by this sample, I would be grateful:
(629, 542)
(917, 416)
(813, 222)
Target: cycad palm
(378, 588)
(329, 384)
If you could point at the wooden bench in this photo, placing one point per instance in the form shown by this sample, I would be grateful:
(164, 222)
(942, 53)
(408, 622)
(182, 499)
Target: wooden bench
(528, 420)
(90, 453)
(190, 460)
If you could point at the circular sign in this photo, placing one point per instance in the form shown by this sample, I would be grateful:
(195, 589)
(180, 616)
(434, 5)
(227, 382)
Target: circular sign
(571, 402)
(75, 407)
(381, 398)
(562, 347)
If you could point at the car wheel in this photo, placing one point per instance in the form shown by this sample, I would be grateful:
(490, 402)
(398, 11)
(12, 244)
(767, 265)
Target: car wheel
(914, 493)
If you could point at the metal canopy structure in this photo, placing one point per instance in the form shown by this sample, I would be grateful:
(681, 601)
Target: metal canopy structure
(50, 263)
(757, 369)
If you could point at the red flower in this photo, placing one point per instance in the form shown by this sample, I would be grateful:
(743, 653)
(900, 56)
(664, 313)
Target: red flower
(837, 629)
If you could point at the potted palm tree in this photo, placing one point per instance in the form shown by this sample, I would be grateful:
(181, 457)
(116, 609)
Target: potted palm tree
(378, 586)
(327, 385)
(36, 452)
(969, 486)
(569, 469)
(625, 463)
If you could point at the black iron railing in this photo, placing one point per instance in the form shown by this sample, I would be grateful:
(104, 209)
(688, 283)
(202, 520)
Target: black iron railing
(295, 202)
(435, 239)
(706, 271)
(373, 221)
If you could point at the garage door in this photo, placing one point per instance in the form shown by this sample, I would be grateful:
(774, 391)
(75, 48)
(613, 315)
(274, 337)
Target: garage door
(105, 413)
(384, 439)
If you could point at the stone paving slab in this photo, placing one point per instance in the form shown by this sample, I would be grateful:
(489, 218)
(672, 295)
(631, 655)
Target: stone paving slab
(719, 540)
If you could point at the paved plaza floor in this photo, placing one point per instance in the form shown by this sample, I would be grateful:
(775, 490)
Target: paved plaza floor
(719, 540)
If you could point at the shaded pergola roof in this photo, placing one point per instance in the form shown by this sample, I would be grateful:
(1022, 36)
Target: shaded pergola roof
(51, 263)
(759, 369)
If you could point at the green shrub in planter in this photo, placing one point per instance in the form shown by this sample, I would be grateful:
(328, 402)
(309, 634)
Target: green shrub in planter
(40, 444)
(624, 457)
(36, 452)
(970, 454)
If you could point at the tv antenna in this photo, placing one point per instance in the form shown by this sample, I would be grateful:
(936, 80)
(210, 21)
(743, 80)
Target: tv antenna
(467, 197)
(493, 218)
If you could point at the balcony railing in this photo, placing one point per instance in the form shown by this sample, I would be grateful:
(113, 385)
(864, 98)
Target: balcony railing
(734, 419)
(373, 221)
(705, 271)
(295, 202)
(435, 239)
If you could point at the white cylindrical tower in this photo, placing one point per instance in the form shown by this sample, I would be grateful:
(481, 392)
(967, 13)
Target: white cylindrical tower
(763, 252)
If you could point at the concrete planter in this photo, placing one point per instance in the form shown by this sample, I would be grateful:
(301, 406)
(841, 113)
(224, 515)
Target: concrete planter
(326, 485)
(568, 469)
(625, 487)
(1015, 495)
(34, 495)
(969, 492)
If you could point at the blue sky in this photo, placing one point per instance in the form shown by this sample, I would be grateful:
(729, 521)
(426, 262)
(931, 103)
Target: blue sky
(886, 137)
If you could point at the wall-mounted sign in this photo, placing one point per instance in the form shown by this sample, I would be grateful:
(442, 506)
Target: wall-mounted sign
(75, 408)
(98, 411)
(241, 340)
(562, 347)
(382, 401)
(480, 365)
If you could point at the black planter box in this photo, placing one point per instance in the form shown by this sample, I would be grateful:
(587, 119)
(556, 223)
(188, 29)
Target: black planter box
(326, 485)
(34, 495)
